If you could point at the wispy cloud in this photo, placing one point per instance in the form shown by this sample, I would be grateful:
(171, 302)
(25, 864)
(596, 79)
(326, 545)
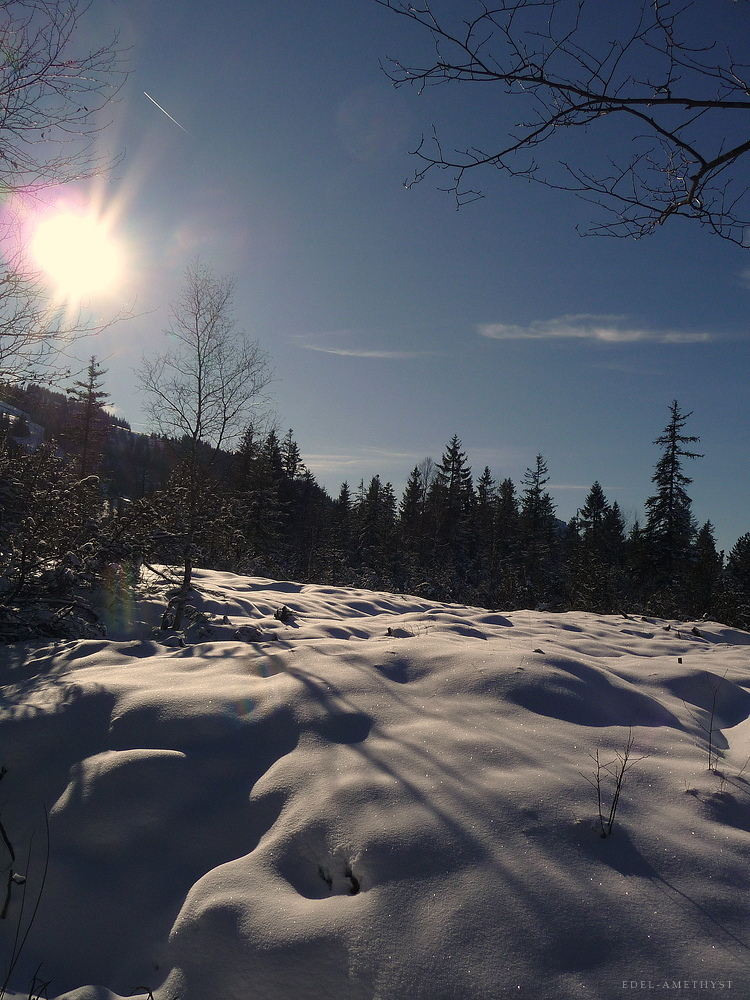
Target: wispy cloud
(322, 344)
(322, 464)
(626, 369)
(354, 352)
(568, 486)
(601, 329)
(364, 460)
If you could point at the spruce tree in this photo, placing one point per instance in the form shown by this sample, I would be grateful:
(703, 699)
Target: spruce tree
(732, 602)
(507, 583)
(270, 453)
(485, 510)
(254, 481)
(413, 528)
(486, 490)
(670, 527)
(704, 573)
(507, 518)
(376, 525)
(341, 534)
(595, 543)
(591, 516)
(453, 475)
(411, 508)
(613, 534)
(452, 500)
(291, 457)
(369, 517)
(538, 527)
(89, 424)
(738, 563)
(484, 536)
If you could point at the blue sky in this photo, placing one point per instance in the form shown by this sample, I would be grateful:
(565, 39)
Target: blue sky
(392, 320)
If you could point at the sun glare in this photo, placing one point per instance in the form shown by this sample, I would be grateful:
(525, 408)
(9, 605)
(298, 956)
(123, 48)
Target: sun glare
(79, 254)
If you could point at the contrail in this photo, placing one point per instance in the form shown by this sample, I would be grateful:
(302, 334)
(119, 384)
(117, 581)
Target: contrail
(166, 113)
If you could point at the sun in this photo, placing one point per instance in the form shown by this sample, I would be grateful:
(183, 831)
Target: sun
(79, 254)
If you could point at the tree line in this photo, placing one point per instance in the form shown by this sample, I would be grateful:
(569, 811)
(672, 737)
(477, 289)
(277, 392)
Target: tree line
(83, 511)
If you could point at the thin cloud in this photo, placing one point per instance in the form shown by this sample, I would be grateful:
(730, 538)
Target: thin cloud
(600, 329)
(389, 454)
(626, 369)
(362, 463)
(320, 464)
(378, 354)
(353, 352)
(568, 486)
(574, 488)
(369, 458)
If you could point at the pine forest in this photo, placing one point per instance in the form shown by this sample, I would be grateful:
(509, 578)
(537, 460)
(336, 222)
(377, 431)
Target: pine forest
(85, 503)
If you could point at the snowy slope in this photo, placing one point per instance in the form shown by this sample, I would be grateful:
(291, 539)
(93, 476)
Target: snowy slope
(380, 798)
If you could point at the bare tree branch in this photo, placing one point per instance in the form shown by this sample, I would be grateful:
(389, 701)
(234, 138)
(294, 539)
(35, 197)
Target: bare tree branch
(679, 143)
(51, 98)
(202, 387)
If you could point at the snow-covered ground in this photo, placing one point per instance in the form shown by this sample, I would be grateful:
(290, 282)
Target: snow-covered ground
(382, 798)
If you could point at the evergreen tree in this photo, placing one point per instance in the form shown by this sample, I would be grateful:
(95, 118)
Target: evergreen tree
(613, 534)
(344, 500)
(388, 518)
(411, 508)
(265, 516)
(453, 476)
(343, 516)
(670, 527)
(291, 457)
(413, 529)
(484, 534)
(376, 516)
(538, 529)
(341, 536)
(271, 457)
(594, 544)
(359, 496)
(507, 586)
(307, 528)
(507, 519)
(244, 459)
(590, 518)
(636, 560)
(89, 425)
(486, 497)
(452, 503)
(738, 563)
(733, 605)
(704, 573)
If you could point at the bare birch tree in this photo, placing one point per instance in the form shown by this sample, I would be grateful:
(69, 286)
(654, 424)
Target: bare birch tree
(201, 392)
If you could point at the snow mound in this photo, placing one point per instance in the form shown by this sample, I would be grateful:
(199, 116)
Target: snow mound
(359, 796)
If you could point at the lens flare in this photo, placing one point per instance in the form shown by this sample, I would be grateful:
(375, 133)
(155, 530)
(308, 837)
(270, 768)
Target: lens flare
(79, 253)
(119, 599)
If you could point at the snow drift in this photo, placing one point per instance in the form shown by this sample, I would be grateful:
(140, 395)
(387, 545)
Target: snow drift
(373, 797)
